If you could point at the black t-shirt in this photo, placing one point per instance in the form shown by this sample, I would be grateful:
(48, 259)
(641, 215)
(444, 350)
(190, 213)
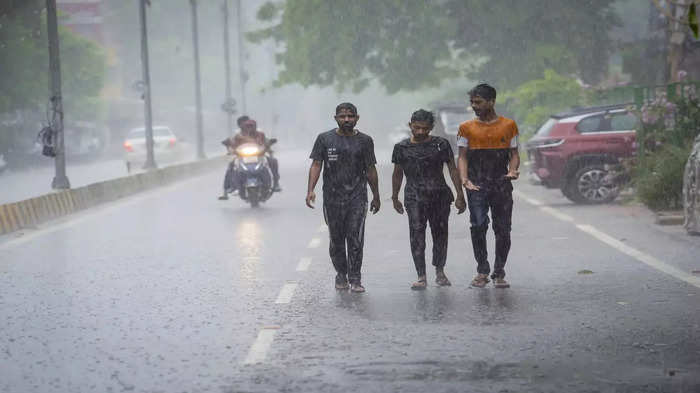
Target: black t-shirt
(345, 163)
(423, 165)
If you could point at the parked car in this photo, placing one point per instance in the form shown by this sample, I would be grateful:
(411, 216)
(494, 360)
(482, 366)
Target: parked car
(449, 115)
(573, 150)
(166, 148)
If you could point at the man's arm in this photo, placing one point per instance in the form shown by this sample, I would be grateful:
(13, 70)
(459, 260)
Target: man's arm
(514, 164)
(373, 181)
(314, 174)
(464, 170)
(396, 180)
(460, 203)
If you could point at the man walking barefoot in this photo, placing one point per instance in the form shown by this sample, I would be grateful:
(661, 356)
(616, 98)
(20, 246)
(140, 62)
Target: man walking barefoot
(346, 157)
(488, 162)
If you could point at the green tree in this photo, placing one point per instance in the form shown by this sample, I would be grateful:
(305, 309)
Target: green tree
(533, 102)
(24, 62)
(407, 45)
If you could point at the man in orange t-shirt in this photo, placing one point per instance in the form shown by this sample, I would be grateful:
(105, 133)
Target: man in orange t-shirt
(488, 162)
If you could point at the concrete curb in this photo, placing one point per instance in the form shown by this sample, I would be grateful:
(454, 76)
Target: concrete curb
(34, 211)
(669, 217)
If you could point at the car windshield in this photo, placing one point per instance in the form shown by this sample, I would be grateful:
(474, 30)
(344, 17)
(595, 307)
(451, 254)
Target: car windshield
(546, 128)
(157, 131)
(452, 120)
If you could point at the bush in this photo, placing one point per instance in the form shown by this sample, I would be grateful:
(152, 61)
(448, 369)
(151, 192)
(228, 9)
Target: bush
(659, 177)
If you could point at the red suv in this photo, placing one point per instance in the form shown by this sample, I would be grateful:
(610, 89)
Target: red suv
(573, 150)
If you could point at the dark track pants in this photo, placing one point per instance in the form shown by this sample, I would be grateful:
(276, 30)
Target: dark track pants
(437, 215)
(274, 168)
(500, 202)
(229, 179)
(346, 226)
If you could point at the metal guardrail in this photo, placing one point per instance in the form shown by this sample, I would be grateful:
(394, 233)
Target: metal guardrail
(672, 91)
(639, 95)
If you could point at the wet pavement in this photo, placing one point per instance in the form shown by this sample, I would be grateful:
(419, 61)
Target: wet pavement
(175, 291)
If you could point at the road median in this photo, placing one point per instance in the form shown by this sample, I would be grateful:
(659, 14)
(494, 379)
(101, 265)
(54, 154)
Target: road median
(31, 212)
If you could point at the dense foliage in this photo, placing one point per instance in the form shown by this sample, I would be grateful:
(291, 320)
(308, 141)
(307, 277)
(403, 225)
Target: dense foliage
(24, 61)
(668, 128)
(408, 45)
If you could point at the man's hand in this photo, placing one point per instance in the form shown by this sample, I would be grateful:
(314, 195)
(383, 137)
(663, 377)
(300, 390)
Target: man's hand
(374, 205)
(513, 174)
(398, 206)
(310, 199)
(460, 204)
(470, 186)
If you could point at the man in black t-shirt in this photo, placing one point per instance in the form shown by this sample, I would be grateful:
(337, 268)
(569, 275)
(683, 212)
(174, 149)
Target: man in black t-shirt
(427, 197)
(346, 157)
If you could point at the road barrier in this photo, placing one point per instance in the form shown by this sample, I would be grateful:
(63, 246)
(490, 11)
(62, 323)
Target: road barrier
(34, 211)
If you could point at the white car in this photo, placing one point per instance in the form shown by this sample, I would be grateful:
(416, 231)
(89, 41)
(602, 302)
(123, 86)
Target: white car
(166, 148)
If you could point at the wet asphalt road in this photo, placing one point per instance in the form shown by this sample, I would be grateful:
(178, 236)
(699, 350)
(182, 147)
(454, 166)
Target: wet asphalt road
(175, 291)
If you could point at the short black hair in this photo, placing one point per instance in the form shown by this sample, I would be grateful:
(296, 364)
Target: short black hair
(423, 115)
(483, 90)
(347, 106)
(242, 120)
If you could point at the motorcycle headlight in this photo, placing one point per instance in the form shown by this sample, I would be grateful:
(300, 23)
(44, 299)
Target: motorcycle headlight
(248, 151)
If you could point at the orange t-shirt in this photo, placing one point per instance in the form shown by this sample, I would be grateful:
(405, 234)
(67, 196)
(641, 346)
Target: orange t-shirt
(489, 146)
(500, 134)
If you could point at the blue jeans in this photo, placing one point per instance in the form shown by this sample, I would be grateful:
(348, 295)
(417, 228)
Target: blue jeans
(500, 201)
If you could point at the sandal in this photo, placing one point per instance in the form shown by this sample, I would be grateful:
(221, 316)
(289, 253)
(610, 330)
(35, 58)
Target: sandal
(420, 284)
(480, 281)
(442, 280)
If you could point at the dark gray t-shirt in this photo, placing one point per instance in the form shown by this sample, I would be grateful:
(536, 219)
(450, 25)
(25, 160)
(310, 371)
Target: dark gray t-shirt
(345, 163)
(423, 164)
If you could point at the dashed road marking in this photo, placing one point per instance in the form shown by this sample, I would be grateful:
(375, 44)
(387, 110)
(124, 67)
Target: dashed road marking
(616, 244)
(286, 293)
(315, 242)
(258, 351)
(304, 263)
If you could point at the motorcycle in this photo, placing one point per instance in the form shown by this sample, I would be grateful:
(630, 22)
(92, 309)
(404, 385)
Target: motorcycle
(252, 172)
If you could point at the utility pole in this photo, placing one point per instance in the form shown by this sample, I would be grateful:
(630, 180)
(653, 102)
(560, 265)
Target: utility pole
(197, 82)
(227, 60)
(146, 75)
(60, 181)
(243, 75)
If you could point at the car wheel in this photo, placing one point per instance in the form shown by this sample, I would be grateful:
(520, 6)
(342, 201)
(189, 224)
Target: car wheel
(589, 185)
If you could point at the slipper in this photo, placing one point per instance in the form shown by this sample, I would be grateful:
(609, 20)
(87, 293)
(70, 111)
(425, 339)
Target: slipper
(419, 285)
(441, 280)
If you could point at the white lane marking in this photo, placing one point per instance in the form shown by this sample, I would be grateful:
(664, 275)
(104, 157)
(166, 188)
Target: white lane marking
(315, 242)
(286, 293)
(618, 245)
(304, 263)
(258, 351)
(640, 256)
(72, 220)
(556, 213)
(527, 198)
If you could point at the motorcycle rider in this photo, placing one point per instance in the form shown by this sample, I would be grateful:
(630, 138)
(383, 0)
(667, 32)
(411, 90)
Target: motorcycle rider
(248, 133)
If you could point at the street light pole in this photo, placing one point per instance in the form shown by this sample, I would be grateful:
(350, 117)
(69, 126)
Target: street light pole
(146, 75)
(227, 60)
(241, 69)
(60, 181)
(197, 82)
